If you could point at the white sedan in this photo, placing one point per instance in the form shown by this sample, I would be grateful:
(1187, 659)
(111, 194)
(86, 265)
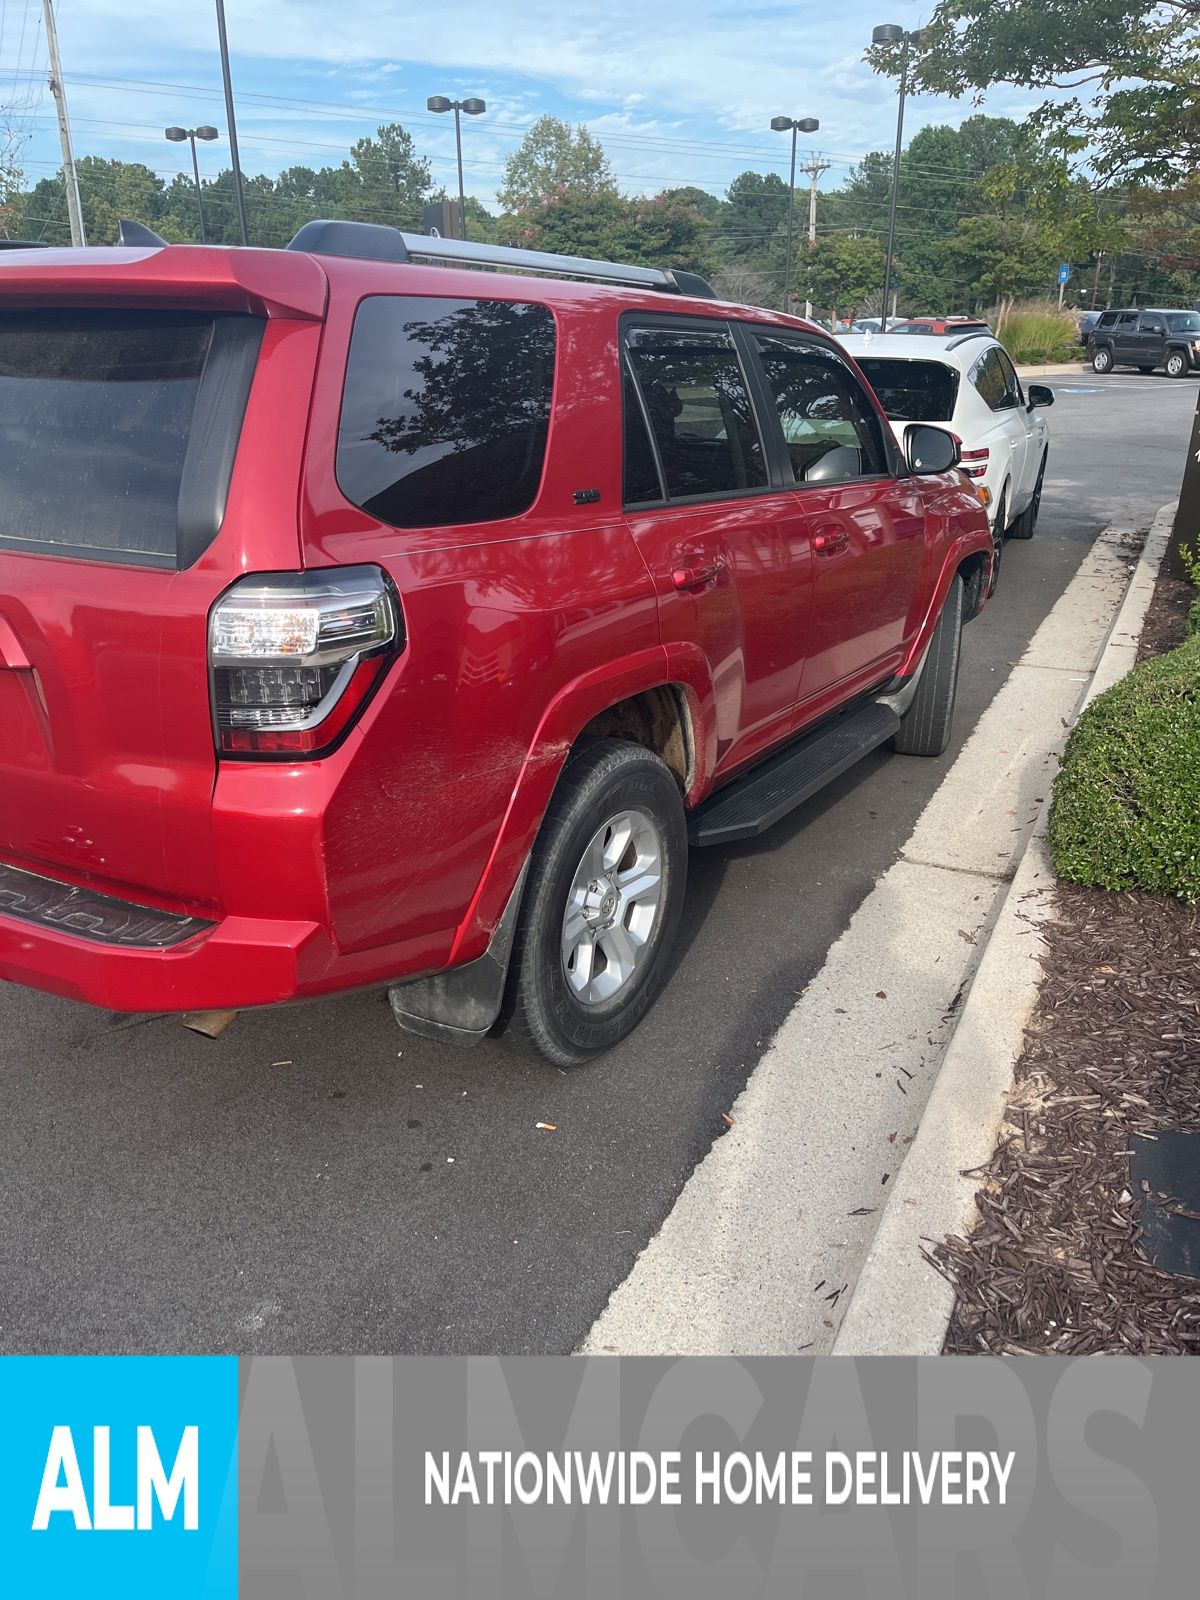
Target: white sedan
(967, 382)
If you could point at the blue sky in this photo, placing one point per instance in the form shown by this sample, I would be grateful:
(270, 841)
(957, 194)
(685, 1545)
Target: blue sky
(679, 91)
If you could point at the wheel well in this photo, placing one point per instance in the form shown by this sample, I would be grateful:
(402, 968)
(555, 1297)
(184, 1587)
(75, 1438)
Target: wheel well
(971, 571)
(659, 719)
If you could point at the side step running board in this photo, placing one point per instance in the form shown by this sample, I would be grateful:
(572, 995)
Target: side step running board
(750, 804)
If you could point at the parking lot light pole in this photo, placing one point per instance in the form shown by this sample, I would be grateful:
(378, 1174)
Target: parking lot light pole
(473, 108)
(892, 33)
(177, 136)
(781, 125)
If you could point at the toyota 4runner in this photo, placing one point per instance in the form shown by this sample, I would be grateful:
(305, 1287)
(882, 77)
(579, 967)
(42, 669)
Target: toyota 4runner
(367, 622)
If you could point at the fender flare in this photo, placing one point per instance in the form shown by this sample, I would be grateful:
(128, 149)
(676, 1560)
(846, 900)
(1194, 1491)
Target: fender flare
(681, 666)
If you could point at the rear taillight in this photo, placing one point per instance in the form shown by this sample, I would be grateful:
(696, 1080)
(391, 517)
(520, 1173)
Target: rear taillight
(294, 656)
(974, 462)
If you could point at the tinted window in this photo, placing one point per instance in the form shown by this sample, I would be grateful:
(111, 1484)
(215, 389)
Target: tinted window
(699, 409)
(446, 409)
(95, 417)
(1016, 395)
(988, 377)
(1151, 322)
(824, 413)
(641, 470)
(912, 391)
(1108, 319)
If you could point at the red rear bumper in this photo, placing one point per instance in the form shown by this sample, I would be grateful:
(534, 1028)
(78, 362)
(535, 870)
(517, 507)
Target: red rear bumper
(239, 962)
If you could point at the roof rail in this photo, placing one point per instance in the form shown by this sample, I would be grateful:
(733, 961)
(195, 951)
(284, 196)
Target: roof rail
(975, 333)
(22, 244)
(373, 242)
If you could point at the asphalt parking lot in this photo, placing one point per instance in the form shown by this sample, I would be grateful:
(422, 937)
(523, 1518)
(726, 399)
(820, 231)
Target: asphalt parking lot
(317, 1181)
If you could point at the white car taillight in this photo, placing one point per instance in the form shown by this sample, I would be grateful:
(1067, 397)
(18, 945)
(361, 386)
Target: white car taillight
(974, 462)
(293, 657)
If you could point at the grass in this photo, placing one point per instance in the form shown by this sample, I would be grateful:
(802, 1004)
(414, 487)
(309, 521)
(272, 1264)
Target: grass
(1038, 333)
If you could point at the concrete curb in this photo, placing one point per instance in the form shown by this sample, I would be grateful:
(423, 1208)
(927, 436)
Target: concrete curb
(901, 1305)
(1055, 369)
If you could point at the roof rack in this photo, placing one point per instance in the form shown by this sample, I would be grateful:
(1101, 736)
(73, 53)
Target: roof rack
(21, 244)
(373, 242)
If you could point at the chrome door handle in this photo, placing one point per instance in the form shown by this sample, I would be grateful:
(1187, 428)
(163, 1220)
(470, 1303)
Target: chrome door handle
(828, 541)
(696, 577)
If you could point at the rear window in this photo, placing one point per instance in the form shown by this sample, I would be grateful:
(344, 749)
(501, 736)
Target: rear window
(446, 409)
(96, 417)
(912, 391)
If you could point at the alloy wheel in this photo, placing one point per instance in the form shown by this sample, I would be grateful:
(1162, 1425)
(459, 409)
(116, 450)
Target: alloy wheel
(613, 907)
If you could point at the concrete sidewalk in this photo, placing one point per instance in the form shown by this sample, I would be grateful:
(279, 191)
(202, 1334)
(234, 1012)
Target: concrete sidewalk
(761, 1253)
(901, 1305)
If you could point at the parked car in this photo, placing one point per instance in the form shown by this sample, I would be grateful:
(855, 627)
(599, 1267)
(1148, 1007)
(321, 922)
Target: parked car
(1087, 321)
(365, 622)
(967, 382)
(1147, 339)
(938, 327)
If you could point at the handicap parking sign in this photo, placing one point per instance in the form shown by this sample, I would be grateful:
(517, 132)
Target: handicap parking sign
(1064, 273)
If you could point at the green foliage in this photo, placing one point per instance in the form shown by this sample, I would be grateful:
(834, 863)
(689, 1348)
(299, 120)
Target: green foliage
(1126, 808)
(553, 157)
(840, 272)
(1136, 61)
(1193, 620)
(1190, 561)
(1040, 333)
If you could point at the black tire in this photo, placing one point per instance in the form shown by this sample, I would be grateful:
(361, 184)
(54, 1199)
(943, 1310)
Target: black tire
(926, 725)
(1102, 360)
(602, 779)
(999, 534)
(1026, 523)
(1177, 364)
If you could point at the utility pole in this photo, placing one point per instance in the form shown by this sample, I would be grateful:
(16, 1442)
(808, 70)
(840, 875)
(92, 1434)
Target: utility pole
(814, 169)
(57, 89)
(231, 121)
(1096, 279)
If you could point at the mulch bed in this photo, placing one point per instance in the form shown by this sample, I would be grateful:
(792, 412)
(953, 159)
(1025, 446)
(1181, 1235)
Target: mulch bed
(1054, 1266)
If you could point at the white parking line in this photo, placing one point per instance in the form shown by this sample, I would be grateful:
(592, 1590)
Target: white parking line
(764, 1244)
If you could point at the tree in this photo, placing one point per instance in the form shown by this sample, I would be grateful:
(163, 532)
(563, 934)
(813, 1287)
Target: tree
(756, 208)
(554, 156)
(1137, 62)
(840, 271)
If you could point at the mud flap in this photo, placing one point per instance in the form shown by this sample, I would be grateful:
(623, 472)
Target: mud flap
(461, 1005)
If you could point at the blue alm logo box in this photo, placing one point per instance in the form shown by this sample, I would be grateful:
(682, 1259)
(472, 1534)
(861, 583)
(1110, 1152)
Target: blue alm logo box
(118, 1476)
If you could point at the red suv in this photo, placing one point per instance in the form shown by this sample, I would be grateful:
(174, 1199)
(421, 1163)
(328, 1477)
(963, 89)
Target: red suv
(365, 622)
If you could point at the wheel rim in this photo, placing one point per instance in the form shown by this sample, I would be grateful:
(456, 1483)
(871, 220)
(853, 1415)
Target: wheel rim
(1174, 365)
(613, 907)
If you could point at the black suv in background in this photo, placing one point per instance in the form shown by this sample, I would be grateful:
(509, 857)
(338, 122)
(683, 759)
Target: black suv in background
(1146, 338)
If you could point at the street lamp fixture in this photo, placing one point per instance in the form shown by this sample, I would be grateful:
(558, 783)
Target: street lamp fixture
(796, 125)
(890, 33)
(177, 136)
(473, 108)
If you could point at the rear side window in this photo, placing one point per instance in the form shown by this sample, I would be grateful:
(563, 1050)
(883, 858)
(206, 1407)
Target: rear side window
(912, 391)
(988, 377)
(830, 428)
(114, 444)
(1108, 319)
(446, 409)
(699, 409)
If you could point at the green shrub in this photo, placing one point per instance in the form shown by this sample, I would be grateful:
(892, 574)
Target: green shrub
(1039, 334)
(1193, 620)
(1126, 808)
